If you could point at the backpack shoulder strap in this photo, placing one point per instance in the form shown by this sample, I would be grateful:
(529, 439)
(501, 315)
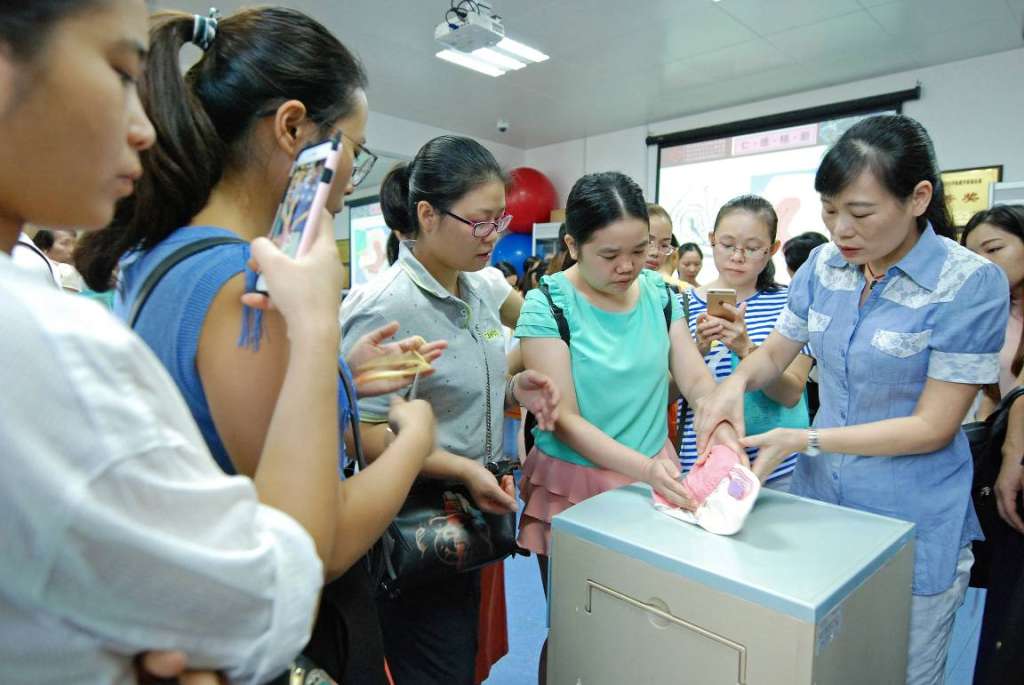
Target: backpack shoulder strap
(168, 263)
(668, 303)
(556, 311)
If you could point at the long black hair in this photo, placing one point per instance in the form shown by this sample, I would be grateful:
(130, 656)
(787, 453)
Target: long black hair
(763, 210)
(597, 200)
(259, 59)
(899, 153)
(441, 173)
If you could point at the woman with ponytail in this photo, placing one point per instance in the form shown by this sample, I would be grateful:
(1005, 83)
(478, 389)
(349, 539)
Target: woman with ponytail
(453, 195)
(270, 81)
(905, 325)
(743, 242)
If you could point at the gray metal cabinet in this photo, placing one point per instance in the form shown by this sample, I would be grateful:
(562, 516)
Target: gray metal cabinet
(808, 593)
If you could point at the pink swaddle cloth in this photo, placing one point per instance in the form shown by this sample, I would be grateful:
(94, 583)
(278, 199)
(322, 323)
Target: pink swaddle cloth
(723, 489)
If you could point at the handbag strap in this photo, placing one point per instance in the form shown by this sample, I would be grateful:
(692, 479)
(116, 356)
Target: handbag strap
(168, 263)
(1006, 403)
(350, 396)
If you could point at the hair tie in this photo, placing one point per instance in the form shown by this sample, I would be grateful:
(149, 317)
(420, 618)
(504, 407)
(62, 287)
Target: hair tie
(204, 29)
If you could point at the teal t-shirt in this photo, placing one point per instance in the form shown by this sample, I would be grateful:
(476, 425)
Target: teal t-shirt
(619, 362)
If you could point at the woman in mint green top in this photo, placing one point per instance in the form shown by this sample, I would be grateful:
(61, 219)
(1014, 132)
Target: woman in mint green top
(613, 375)
(618, 360)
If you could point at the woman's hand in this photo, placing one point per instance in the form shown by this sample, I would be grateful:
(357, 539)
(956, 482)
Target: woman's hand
(161, 667)
(539, 395)
(416, 415)
(708, 329)
(734, 333)
(1008, 486)
(663, 477)
(724, 404)
(773, 447)
(488, 494)
(373, 345)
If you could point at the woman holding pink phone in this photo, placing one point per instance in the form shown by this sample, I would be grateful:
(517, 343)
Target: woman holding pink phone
(270, 82)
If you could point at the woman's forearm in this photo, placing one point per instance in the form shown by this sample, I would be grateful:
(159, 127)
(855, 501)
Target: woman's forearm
(789, 387)
(303, 484)
(441, 464)
(907, 435)
(594, 444)
(1013, 445)
(371, 499)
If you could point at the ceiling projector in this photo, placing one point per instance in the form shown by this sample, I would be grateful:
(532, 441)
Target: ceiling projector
(469, 29)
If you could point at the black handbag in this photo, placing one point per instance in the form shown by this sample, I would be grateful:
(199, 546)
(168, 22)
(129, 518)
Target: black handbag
(439, 531)
(986, 439)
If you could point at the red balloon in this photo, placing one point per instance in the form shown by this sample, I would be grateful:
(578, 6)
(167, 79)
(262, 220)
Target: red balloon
(530, 199)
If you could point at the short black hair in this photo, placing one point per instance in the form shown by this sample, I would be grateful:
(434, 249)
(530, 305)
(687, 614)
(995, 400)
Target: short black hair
(44, 239)
(798, 248)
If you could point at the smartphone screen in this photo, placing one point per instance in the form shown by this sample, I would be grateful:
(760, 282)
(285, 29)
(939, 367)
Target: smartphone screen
(717, 298)
(304, 198)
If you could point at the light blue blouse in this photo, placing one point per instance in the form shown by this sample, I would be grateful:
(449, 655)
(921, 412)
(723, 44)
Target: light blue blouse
(939, 313)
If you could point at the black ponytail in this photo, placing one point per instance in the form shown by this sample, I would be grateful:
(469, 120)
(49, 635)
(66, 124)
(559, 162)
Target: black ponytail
(441, 173)
(259, 59)
(394, 200)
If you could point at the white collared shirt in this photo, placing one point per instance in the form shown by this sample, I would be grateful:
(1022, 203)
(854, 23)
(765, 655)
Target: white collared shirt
(119, 533)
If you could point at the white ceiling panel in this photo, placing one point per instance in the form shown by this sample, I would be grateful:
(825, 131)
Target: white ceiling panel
(969, 41)
(617, 65)
(856, 32)
(917, 19)
(772, 16)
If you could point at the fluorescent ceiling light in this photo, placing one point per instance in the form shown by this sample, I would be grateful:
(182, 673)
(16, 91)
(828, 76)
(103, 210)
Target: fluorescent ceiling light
(498, 59)
(520, 50)
(468, 61)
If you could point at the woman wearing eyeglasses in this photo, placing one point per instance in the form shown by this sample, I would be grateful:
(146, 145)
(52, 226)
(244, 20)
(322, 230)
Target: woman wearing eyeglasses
(743, 242)
(661, 251)
(228, 133)
(454, 193)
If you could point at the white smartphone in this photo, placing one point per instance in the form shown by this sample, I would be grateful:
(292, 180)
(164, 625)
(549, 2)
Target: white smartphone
(305, 198)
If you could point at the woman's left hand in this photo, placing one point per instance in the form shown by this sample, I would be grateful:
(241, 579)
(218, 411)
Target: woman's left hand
(373, 345)
(733, 334)
(773, 447)
(539, 395)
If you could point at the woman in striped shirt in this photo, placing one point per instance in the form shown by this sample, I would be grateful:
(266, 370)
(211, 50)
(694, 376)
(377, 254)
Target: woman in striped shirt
(743, 242)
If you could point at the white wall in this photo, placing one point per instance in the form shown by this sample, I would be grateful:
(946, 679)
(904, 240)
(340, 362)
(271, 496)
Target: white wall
(973, 109)
(402, 138)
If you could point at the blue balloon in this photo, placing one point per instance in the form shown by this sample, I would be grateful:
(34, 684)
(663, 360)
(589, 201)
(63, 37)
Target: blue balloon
(513, 248)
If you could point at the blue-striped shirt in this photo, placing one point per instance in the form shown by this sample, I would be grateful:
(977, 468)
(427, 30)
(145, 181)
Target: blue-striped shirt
(763, 309)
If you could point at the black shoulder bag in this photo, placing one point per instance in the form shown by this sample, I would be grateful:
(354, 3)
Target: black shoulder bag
(986, 439)
(440, 531)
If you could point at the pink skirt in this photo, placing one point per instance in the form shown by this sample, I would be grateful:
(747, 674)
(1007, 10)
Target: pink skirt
(549, 486)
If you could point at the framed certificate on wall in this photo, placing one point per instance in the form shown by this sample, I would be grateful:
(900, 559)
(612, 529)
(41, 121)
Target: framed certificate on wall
(969, 191)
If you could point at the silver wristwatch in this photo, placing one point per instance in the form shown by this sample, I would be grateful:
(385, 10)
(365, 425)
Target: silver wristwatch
(813, 443)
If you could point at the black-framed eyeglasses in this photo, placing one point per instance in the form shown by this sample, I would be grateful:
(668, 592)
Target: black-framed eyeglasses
(664, 250)
(482, 229)
(362, 162)
(747, 252)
